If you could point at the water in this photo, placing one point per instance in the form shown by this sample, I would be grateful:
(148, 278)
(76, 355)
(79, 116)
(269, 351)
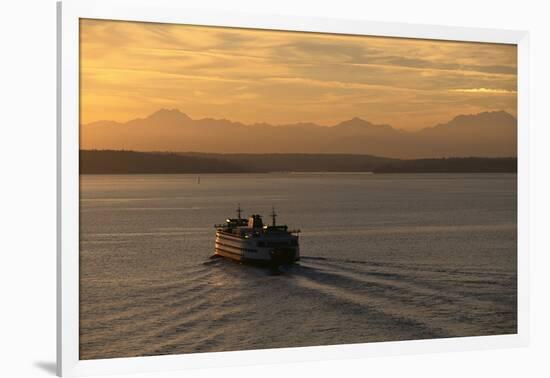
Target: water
(385, 257)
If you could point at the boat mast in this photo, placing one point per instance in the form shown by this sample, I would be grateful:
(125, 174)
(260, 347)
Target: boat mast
(239, 211)
(273, 215)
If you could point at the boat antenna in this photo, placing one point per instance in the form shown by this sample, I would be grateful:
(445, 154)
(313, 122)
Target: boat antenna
(239, 211)
(273, 215)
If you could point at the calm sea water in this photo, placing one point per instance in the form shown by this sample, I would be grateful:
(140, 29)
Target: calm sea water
(385, 257)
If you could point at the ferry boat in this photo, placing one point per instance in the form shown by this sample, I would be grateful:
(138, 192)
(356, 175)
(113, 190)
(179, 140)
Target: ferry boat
(250, 241)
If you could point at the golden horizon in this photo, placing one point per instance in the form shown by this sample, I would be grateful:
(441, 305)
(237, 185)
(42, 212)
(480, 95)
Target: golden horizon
(130, 70)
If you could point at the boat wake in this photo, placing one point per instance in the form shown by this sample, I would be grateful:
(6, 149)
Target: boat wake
(221, 305)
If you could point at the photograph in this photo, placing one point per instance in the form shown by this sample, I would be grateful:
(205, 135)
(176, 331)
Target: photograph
(245, 189)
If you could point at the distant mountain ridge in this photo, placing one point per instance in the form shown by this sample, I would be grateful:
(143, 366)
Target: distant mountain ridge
(488, 134)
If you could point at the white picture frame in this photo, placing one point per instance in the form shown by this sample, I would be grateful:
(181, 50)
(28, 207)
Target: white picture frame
(167, 11)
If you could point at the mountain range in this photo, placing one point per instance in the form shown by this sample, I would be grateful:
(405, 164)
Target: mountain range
(487, 134)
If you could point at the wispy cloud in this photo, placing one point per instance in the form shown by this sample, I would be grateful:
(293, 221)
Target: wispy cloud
(485, 91)
(286, 77)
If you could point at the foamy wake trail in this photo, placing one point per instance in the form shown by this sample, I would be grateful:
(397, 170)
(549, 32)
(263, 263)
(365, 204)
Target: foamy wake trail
(447, 303)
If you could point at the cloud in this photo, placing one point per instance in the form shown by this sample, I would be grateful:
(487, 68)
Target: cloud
(484, 91)
(285, 77)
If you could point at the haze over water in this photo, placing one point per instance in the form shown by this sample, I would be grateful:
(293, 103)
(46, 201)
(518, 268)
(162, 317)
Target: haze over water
(384, 257)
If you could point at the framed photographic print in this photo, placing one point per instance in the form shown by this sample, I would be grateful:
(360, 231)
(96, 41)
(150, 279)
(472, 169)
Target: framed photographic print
(285, 189)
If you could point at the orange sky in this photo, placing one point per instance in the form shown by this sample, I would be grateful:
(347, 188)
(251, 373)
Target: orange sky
(130, 70)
